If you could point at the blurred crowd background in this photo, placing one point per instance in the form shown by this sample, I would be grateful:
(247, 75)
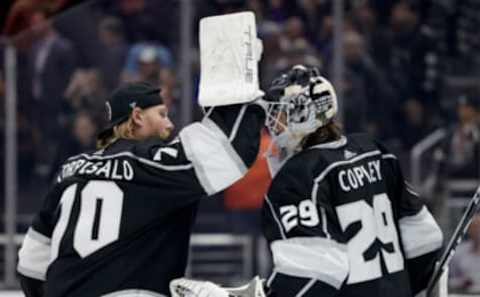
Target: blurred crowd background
(410, 68)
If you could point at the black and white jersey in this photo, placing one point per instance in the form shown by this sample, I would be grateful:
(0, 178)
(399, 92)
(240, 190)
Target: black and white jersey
(341, 221)
(118, 221)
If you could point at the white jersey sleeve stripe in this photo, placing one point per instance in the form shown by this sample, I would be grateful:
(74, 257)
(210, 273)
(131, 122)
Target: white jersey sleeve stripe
(307, 287)
(34, 256)
(131, 155)
(317, 258)
(420, 234)
(238, 121)
(271, 278)
(215, 161)
(272, 210)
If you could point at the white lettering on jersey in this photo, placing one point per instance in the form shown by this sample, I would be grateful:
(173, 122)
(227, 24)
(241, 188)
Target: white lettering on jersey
(356, 177)
(111, 169)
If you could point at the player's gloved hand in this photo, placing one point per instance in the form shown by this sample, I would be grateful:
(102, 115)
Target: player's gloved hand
(255, 288)
(184, 287)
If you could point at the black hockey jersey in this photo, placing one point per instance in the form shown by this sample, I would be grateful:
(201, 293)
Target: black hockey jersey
(341, 221)
(118, 221)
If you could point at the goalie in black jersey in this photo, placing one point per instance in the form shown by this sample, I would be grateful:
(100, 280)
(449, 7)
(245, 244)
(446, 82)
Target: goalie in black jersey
(117, 221)
(339, 216)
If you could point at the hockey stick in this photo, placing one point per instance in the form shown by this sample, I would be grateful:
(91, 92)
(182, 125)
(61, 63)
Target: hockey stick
(455, 240)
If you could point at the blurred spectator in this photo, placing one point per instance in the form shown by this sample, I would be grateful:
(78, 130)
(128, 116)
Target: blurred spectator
(467, 39)
(144, 61)
(26, 139)
(52, 62)
(294, 35)
(324, 37)
(2, 83)
(465, 266)
(81, 139)
(457, 158)
(412, 125)
(368, 96)
(148, 67)
(295, 48)
(280, 10)
(270, 35)
(411, 56)
(111, 35)
(86, 91)
(257, 7)
(148, 20)
(365, 19)
(459, 154)
(313, 12)
(21, 11)
(2, 123)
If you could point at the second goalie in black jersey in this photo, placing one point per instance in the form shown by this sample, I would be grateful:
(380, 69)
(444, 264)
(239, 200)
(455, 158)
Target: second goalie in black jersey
(339, 216)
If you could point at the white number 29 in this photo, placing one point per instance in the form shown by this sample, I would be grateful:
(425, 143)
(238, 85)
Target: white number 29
(306, 214)
(376, 223)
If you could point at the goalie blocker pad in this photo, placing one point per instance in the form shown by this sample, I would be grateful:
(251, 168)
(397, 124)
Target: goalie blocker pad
(229, 55)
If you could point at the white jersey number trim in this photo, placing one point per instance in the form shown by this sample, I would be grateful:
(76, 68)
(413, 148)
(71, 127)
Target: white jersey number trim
(99, 219)
(376, 224)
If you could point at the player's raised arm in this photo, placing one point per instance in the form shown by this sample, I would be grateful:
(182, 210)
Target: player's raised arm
(225, 143)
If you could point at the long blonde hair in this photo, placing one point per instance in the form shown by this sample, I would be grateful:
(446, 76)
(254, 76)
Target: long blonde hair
(327, 133)
(123, 130)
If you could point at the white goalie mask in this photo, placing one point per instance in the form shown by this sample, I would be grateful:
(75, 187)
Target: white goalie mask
(300, 102)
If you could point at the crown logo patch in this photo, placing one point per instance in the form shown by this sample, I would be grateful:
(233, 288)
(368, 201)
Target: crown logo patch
(348, 154)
